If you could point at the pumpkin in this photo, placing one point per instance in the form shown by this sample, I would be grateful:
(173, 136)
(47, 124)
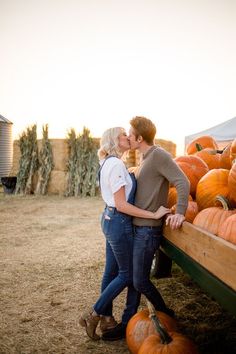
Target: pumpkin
(210, 219)
(227, 229)
(140, 326)
(232, 184)
(179, 344)
(204, 141)
(164, 341)
(212, 184)
(191, 212)
(233, 150)
(194, 168)
(211, 157)
(225, 159)
(172, 197)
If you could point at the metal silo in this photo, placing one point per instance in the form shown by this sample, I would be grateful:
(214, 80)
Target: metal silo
(6, 147)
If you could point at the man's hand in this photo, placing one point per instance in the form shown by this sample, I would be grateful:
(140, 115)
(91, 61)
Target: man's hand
(175, 221)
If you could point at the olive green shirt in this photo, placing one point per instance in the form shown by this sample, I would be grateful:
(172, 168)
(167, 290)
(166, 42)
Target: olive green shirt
(154, 175)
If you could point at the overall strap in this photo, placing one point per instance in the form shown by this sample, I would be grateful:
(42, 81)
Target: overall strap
(99, 171)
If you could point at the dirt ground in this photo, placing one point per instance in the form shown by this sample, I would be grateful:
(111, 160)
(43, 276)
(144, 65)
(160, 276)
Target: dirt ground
(51, 264)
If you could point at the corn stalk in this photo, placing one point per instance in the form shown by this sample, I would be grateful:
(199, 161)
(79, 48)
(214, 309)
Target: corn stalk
(82, 165)
(28, 163)
(45, 163)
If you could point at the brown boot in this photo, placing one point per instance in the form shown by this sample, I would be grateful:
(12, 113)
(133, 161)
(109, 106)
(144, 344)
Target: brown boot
(107, 323)
(90, 323)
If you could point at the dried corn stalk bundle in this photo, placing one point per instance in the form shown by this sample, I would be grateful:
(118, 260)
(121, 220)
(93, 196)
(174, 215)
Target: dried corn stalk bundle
(45, 163)
(28, 163)
(72, 162)
(83, 164)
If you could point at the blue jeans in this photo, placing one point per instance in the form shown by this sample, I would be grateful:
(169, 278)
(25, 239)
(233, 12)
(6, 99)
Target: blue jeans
(118, 275)
(146, 242)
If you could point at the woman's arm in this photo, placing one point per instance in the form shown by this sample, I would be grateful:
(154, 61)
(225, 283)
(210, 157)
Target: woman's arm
(124, 207)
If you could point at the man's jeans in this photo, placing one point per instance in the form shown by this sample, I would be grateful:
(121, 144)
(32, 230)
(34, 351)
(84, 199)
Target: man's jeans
(118, 230)
(146, 242)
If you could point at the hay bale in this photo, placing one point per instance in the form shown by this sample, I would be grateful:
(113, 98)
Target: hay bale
(57, 182)
(16, 158)
(60, 154)
(167, 145)
(130, 158)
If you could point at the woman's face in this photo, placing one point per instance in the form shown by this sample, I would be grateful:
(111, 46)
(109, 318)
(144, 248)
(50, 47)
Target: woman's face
(124, 143)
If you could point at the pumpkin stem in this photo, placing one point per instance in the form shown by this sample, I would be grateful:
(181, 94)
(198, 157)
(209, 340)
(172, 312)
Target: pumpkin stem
(165, 337)
(199, 147)
(224, 202)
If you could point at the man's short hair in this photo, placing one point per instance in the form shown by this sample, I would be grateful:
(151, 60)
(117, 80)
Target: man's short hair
(144, 127)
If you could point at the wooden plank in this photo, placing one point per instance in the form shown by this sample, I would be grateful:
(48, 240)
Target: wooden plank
(213, 253)
(218, 290)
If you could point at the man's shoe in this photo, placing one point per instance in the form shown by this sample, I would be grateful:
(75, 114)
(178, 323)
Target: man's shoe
(117, 333)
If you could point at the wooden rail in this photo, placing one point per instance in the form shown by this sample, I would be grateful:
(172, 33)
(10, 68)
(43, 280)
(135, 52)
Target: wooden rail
(209, 260)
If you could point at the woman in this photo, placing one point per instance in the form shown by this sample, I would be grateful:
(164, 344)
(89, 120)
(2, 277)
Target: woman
(117, 190)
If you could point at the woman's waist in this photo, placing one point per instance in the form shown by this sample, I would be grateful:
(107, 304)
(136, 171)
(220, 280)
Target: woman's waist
(114, 211)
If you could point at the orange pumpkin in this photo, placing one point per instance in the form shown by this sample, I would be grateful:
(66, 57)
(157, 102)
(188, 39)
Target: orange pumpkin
(191, 212)
(204, 141)
(179, 344)
(210, 219)
(140, 326)
(211, 157)
(227, 229)
(172, 197)
(232, 184)
(212, 184)
(225, 160)
(194, 168)
(233, 150)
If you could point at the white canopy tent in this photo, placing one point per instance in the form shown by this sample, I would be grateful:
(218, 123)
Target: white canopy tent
(223, 133)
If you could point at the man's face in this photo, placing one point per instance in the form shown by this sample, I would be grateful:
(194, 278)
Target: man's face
(134, 144)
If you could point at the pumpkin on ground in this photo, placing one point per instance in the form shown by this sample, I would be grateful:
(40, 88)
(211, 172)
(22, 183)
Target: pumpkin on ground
(204, 141)
(140, 326)
(212, 184)
(211, 218)
(179, 344)
(227, 229)
(194, 168)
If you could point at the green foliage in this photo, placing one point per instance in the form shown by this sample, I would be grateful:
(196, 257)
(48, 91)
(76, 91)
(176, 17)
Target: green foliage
(45, 163)
(28, 163)
(82, 165)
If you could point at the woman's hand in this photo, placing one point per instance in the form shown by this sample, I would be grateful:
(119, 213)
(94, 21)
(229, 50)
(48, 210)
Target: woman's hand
(161, 211)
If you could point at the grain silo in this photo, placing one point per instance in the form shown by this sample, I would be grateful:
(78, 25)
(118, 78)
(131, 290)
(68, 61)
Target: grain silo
(6, 146)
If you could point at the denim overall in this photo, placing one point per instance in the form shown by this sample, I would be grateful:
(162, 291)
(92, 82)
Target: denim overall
(118, 230)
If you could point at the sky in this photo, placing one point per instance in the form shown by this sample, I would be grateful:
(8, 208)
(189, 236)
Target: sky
(98, 63)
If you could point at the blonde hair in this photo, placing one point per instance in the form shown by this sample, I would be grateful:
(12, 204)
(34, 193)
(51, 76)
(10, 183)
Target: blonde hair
(109, 143)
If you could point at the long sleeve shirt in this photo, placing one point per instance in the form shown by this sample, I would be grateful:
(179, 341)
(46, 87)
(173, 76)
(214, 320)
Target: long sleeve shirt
(155, 174)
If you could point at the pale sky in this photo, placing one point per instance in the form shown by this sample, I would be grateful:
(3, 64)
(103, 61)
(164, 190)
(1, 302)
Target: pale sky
(98, 63)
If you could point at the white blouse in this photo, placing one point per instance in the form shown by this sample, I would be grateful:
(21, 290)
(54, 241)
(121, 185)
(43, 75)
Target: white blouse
(113, 176)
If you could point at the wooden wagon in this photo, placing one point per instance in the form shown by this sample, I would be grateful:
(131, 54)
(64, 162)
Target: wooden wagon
(208, 259)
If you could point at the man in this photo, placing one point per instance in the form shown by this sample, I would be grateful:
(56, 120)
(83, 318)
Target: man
(156, 172)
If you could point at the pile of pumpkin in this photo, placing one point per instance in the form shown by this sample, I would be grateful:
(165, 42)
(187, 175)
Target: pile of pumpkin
(154, 332)
(212, 176)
